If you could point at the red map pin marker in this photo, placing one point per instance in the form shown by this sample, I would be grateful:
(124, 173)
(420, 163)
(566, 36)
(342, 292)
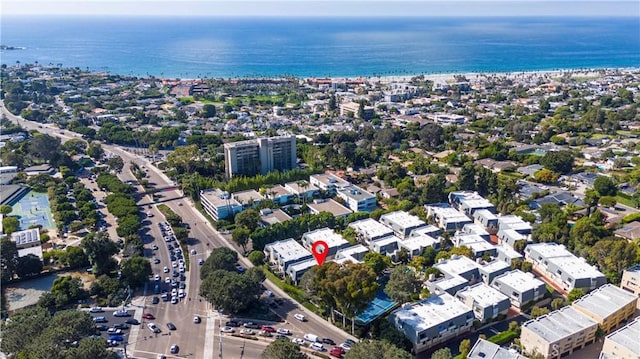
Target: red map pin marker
(320, 249)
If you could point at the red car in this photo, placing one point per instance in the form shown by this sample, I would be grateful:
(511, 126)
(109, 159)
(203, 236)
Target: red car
(148, 316)
(337, 352)
(268, 329)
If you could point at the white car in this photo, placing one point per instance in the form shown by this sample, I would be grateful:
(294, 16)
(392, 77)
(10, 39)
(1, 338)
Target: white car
(167, 280)
(174, 300)
(247, 331)
(165, 269)
(227, 330)
(174, 292)
(299, 341)
(193, 252)
(181, 293)
(174, 264)
(318, 347)
(196, 319)
(156, 277)
(96, 310)
(300, 317)
(283, 331)
(200, 261)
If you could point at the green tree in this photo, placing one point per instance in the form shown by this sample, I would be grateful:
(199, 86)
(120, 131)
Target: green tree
(256, 257)
(220, 258)
(94, 348)
(546, 176)
(136, 271)
(538, 312)
(67, 290)
(4, 209)
(467, 177)
(376, 261)
(403, 285)
(557, 303)
(115, 164)
(444, 353)
(232, 291)
(575, 294)
(376, 349)
(76, 258)
(605, 186)
(29, 265)
(45, 147)
(613, 256)
(283, 349)
(429, 255)
(249, 219)
(24, 327)
(10, 225)
(8, 259)
(100, 249)
(240, 235)
(208, 110)
(465, 347)
(183, 158)
(558, 161)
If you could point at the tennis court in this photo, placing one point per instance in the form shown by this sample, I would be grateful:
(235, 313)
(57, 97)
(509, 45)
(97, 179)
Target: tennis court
(380, 305)
(33, 209)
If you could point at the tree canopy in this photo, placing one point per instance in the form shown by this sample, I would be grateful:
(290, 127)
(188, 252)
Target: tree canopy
(403, 285)
(220, 258)
(283, 349)
(376, 349)
(230, 290)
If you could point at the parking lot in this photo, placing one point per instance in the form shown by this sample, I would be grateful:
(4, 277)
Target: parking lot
(115, 328)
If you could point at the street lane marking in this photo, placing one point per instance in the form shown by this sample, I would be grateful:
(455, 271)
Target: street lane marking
(209, 336)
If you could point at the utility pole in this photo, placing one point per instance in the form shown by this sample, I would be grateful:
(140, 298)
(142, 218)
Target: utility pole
(220, 335)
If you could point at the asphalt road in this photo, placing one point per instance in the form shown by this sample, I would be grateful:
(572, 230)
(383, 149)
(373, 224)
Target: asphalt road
(195, 341)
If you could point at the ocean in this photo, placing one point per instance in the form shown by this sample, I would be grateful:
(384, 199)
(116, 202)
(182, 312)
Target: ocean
(194, 47)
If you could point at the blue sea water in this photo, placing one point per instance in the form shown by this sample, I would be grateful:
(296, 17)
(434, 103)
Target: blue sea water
(236, 47)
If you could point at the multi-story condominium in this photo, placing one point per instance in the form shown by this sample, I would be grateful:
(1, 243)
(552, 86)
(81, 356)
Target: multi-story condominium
(623, 343)
(509, 237)
(473, 228)
(248, 198)
(415, 245)
(558, 333)
(469, 202)
(402, 223)
(491, 270)
(219, 204)
(279, 194)
(461, 266)
(369, 229)
(516, 223)
(357, 199)
(320, 205)
(354, 254)
(331, 238)
(507, 254)
(387, 245)
(282, 254)
(432, 320)
(479, 246)
(487, 219)
(447, 218)
(296, 270)
(631, 281)
(484, 349)
(521, 288)
(328, 182)
(559, 265)
(607, 305)
(486, 302)
(353, 108)
(262, 155)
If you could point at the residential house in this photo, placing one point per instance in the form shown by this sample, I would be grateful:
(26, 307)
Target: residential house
(484, 349)
(334, 241)
(328, 182)
(354, 254)
(368, 230)
(491, 270)
(296, 270)
(447, 218)
(269, 217)
(357, 199)
(608, 305)
(631, 281)
(218, 204)
(402, 223)
(629, 232)
(282, 254)
(486, 302)
(521, 288)
(328, 205)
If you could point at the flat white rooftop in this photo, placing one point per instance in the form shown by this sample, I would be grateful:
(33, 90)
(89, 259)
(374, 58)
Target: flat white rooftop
(288, 249)
(473, 228)
(370, 228)
(519, 280)
(431, 312)
(332, 238)
(559, 324)
(483, 295)
(451, 282)
(218, 198)
(476, 203)
(26, 237)
(495, 266)
(606, 300)
(508, 251)
(627, 336)
(303, 265)
(386, 241)
(247, 197)
(449, 214)
(355, 252)
(402, 219)
(550, 250)
(429, 230)
(514, 222)
(456, 264)
(414, 243)
(576, 267)
(330, 179)
(484, 349)
(485, 213)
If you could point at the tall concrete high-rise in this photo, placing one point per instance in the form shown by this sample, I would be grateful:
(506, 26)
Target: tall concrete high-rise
(262, 155)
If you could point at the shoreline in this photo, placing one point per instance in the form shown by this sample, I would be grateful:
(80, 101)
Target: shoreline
(448, 77)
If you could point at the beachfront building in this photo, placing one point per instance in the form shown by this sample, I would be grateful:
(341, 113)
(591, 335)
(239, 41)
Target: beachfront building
(555, 263)
(328, 182)
(402, 223)
(368, 230)
(558, 333)
(260, 156)
(334, 241)
(484, 349)
(631, 281)
(357, 199)
(218, 204)
(486, 302)
(282, 254)
(432, 321)
(521, 288)
(623, 343)
(447, 218)
(607, 305)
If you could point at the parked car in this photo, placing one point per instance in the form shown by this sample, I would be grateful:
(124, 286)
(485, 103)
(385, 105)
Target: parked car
(268, 329)
(298, 341)
(132, 321)
(148, 316)
(171, 326)
(155, 300)
(117, 338)
(227, 330)
(328, 341)
(318, 347)
(102, 327)
(122, 326)
(247, 331)
(174, 349)
(300, 317)
(96, 310)
(232, 323)
(114, 331)
(196, 319)
(153, 327)
(337, 352)
(251, 325)
(283, 331)
(121, 313)
(100, 320)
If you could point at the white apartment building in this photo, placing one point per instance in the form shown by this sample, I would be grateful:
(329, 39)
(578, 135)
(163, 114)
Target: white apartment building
(357, 199)
(282, 254)
(623, 343)
(219, 204)
(369, 229)
(402, 223)
(334, 241)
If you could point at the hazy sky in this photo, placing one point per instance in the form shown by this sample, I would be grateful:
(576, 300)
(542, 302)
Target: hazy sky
(324, 7)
